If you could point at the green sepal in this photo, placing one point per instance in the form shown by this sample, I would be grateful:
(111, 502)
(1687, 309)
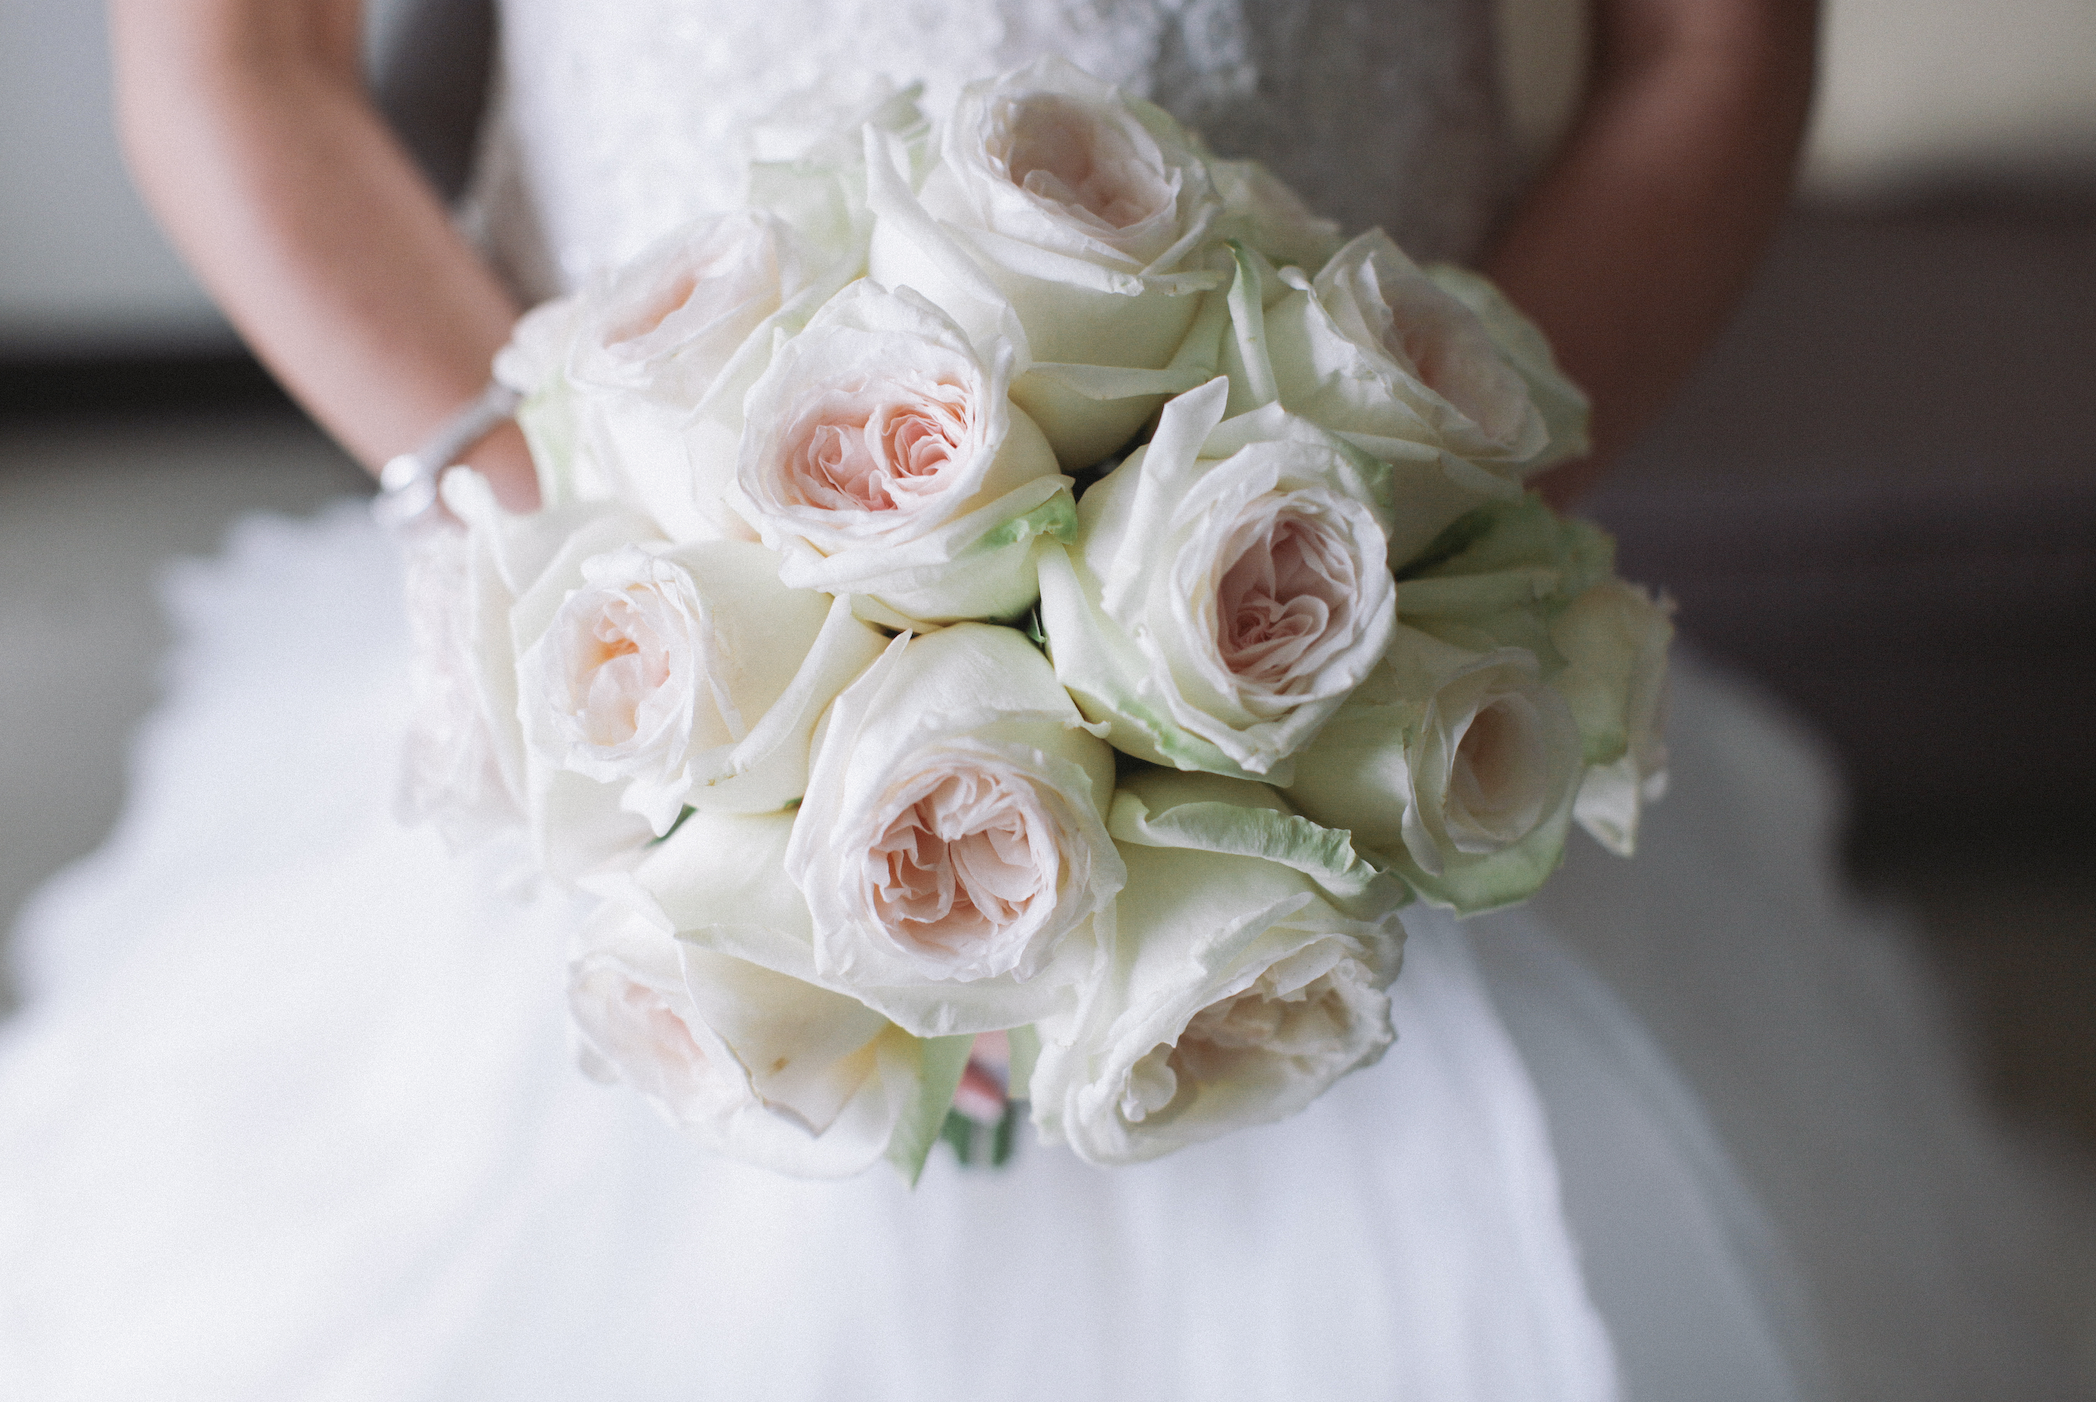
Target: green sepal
(1248, 326)
(1055, 518)
(1473, 885)
(977, 1145)
(676, 823)
(547, 419)
(939, 1075)
(1456, 537)
(1026, 1052)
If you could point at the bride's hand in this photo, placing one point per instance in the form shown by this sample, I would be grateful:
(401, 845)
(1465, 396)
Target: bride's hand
(1639, 239)
(249, 131)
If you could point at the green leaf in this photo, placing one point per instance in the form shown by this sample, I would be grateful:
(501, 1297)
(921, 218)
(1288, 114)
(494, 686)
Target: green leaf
(671, 831)
(1212, 813)
(1055, 517)
(1004, 1140)
(939, 1074)
(1248, 324)
(1471, 885)
(977, 1145)
(1026, 1051)
(1459, 535)
(959, 1133)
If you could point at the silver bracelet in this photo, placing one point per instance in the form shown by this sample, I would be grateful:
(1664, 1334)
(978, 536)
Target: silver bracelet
(407, 495)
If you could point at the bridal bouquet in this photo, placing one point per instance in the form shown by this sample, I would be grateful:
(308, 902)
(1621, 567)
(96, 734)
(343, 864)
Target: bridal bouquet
(1017, 612)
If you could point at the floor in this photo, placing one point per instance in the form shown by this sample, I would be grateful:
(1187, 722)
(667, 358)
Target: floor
(92, 508)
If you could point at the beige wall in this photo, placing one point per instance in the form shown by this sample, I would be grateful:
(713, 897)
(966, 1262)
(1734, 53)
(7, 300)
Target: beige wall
(82, 268)
(1921, 89)
(1911, 91)
(80, 263)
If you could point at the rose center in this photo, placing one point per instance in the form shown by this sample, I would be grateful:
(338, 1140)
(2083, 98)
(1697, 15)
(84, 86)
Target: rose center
(1222, 1038)
(620, 667)
(960, 866)
(1260, 1022)
(1279, 598)
(1453, 357)
(1496, 780)
(657, 310)
(1058, 152)
(881, 447)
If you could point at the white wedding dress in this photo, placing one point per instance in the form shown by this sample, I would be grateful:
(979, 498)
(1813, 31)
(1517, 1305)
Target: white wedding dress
(290, 1110)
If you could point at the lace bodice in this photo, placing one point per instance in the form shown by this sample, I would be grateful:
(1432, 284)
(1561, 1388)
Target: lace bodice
(616, 121)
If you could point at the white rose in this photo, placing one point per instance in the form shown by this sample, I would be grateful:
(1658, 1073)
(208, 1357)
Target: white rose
(1227, 590)
(635, 384)
(452, 773)
(574, 822)
(1563, 404)
(1614, 640)
(1374, 349)
(766, 1068)
(885, 458)
(1069, 218)
(949, 866)
(687, 676)
(1434, 363)
(719, 882)
(951, 845)
(1263, 213)
(809, 152)
(1247, 974)
(1509, 580)
(677, 336)
(1459, 767)
(1499, 575)
(534, 364)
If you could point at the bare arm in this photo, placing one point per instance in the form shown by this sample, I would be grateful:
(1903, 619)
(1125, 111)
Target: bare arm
(249, 131)
(1639, 239)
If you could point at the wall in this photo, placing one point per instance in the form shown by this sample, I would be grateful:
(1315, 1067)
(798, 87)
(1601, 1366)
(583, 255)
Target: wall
(1915, 90)
(83, 270)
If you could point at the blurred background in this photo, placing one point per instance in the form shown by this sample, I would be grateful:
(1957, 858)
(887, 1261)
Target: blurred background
(1878, 497)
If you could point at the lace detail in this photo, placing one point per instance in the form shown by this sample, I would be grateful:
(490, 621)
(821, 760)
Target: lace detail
(616, 121)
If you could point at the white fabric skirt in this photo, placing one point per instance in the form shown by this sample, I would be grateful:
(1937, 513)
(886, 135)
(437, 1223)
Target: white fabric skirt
(290, 1112)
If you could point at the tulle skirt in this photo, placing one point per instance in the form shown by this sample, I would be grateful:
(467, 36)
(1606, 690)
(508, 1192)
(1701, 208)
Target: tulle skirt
(290, 1112)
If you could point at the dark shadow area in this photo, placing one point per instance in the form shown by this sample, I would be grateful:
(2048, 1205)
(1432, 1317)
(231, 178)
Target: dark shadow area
(130, 386)
(429, 74)
(1878, 496)
(2009, 909)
